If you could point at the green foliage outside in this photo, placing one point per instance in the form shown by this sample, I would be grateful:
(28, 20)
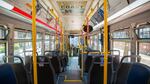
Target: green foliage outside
(2, 49)
(16, 46)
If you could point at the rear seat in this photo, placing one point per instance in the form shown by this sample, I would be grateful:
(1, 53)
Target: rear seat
(122, 73)
(17, 69)
(46, 73)
(139, 74)
(56, 63)
(7, 75)
(20, 73)
(95, 74)
(87, 63)
(132, 72)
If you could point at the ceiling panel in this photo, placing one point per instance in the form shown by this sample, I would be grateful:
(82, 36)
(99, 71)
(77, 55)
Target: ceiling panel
(72, 7)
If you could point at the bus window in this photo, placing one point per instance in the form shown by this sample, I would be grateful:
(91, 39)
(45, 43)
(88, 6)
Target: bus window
(123, 47)
(19, 50)
(3, 31)
(2, 52)
(143, 34)
(47, 42)
(39, 43)
(52, 43)
(39, 47)
(144, 52)
(28, 48)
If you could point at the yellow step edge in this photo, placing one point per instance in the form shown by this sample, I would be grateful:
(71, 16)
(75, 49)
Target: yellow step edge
(72, 80)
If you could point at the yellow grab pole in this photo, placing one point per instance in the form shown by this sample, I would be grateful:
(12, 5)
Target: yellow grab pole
(87, 30)
(61, 37)
(82, 60)
(56, 35)
(105, 41)
(34, 41)
(63, 43)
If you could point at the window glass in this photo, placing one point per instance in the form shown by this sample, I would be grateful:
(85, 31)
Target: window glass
(91, 42)
(123, 47)
(2, 33)
(28, 35)
(47, 42)
(19, 50)
(120, 34)
(39, 47)
(143, 32)
(28, 46)
(39, 36)
(47, 37)
(22, 35)
(95, 42)
(47, 46)
(19, 35)
(144, 52)
(52, 42)
(74, 41)
(2, 52)
(100, 41)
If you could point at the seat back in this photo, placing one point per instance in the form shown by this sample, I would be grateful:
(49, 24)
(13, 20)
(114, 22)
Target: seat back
(65, 59)
(56, 63)
(88, 63)
(95, 74)
(7, 75)
(97, 70)
(18, 69)
(115, 62)
(124, 70)
(79, 59)
(46, 73)
(139, 74)
(20, 73)
(122, 73)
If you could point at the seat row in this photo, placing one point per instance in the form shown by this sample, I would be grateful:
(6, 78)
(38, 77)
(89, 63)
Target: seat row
(123, 73)
(48, 69)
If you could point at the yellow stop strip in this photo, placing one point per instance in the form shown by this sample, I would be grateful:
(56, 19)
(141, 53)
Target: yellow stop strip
(72, 81)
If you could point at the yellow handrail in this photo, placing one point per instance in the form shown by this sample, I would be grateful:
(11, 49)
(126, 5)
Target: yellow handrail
(93, 52)
(34, 41)
(105, 41)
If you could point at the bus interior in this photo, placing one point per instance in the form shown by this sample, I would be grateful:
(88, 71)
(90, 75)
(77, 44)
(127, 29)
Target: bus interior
(74, 41)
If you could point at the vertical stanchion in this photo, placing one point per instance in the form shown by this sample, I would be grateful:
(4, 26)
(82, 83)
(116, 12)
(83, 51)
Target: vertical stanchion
(87, 30)
(61, 37)
(63, 47)
(56, 34)
(82, 59)
(34, 41)
(105, 41)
